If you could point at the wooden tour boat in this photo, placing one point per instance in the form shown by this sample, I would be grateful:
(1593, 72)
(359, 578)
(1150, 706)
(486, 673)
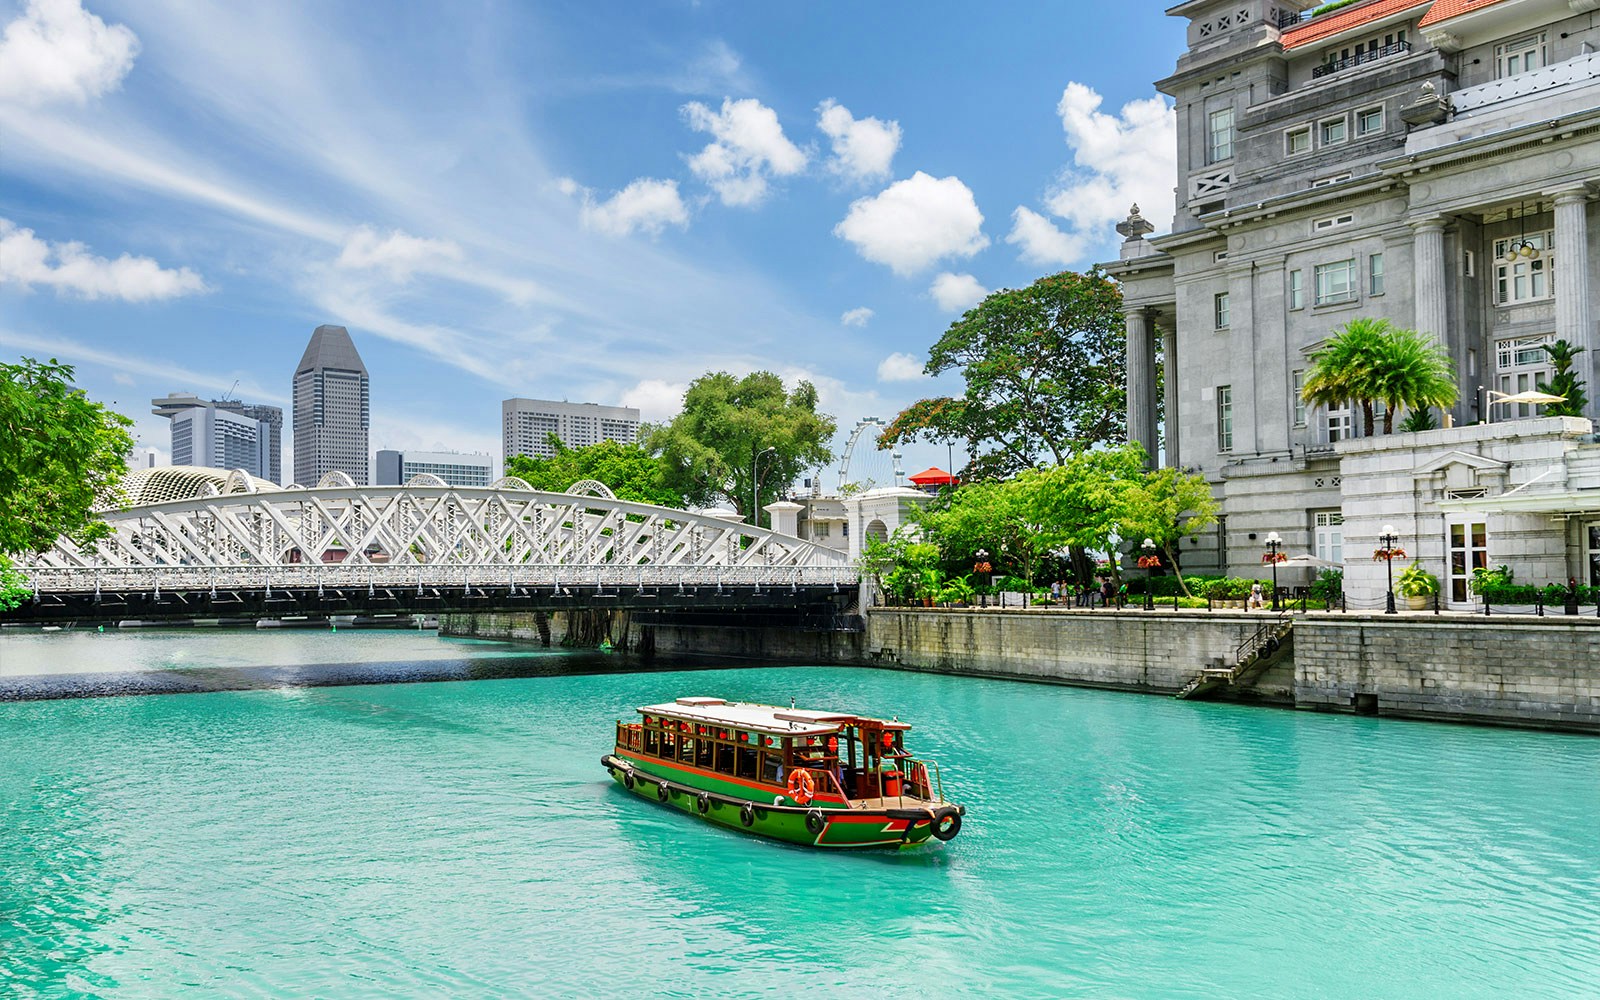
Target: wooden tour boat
(828, 779)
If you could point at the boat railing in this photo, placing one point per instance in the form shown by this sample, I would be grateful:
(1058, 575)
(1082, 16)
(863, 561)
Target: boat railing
(931, 786)
(834, 778)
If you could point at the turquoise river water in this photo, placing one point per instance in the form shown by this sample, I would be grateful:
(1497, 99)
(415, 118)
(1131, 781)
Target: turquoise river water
(460, 839)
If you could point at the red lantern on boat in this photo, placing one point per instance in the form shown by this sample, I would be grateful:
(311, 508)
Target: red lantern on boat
(833, 744)
(767, 740)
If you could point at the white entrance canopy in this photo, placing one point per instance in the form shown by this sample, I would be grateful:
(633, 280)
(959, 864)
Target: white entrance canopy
(1556, 503)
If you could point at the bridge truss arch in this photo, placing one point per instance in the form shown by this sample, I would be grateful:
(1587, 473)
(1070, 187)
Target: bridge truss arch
(424, 535)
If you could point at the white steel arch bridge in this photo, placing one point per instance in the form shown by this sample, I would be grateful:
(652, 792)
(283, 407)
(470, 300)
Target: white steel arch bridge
(249, 539)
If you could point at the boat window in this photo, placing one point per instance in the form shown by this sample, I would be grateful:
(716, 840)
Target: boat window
(770, 762)
(652, 742)
(703, 751)
(686, 750)
(747, 763)
(725, 758)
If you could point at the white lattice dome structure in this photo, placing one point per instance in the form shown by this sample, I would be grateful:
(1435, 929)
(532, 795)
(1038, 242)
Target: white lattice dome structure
(179, 482)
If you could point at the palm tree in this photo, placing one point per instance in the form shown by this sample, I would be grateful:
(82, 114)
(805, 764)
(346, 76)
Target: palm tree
(1341, 369)
(1565, 381)
(1413, 371)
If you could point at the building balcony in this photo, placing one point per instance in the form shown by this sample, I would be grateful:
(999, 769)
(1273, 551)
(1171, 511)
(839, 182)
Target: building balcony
(1574, 71)
(1361, 59)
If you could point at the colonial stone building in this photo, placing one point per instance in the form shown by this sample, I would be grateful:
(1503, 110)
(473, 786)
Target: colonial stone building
(1431, 162)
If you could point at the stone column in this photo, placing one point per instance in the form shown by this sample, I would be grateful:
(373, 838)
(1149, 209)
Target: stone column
(1574, 320)
(1141, 381)
(1169, 356)
(1433, 315)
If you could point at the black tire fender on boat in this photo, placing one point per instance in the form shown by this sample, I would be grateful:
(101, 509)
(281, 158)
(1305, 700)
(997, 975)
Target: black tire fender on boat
(663, 792)
(946, 823)
(627, 778)
(815, 821)
(703, 803)
(747, 814)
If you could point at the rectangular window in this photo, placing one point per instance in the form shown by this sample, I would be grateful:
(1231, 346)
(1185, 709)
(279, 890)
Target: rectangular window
(1297, 289)
(1523, 268)
(1340, 426)
(1521, 56)
(1332, 222)
(1336, 282)
(1220, 308)
(1469, 264)
(1369, 121)
(1329, 528)
(1375, 274)
(1591, 535)
(1331, 179)
(1297, 385)
(1224, 418)
(1221, 136)
(1467, 547)
(1297, 140)
(1334, 131)
(1521, 364)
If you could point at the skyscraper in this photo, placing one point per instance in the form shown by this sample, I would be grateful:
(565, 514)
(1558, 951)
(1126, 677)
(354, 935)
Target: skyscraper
(526, 425)
(331, 403)
(224, 434)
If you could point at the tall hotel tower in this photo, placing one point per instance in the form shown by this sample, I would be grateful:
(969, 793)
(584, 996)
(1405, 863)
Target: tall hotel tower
(330, 409)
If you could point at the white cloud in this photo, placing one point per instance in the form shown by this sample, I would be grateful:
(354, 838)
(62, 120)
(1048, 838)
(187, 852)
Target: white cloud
(123, 378)
(1118, 160)
(57, 51)
(899, 367)
(143, 363)
(863, 148)
(1041, 242)
(26, 260)
(856, 317)
(750, 147)
(398, 253)
(646, 205)
(956, 292)
(915, 222)
(657, 400)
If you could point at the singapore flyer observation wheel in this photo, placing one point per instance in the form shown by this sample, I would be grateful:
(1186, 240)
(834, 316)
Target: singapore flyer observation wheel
(862, 465)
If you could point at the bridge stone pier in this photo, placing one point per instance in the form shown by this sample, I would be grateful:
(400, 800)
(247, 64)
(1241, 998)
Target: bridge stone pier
(227, 545)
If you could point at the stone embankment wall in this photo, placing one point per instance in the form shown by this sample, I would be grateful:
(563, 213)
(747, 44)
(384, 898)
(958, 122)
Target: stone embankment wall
(1521, 671)
(1155, 652)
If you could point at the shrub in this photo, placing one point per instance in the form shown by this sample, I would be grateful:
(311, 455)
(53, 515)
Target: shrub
(1234, 588)
(1415, 581)
(1167, 586)
(1328, 585)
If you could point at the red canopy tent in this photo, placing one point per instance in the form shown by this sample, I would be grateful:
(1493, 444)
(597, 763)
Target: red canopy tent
(934, 476)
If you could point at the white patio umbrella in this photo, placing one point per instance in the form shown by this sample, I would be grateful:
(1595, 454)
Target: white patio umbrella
(1532, 397)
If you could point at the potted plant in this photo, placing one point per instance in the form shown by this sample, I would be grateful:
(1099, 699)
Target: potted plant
(1416, 585)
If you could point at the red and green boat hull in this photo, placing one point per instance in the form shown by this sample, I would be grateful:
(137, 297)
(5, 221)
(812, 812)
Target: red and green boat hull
(761, 809)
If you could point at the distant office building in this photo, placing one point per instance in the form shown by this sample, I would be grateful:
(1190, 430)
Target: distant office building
(395, 468)
(331, 405)
(224, 434)
(142, 458)
(528, 423)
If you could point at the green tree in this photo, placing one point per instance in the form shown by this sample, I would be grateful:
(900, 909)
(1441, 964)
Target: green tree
(58, 451)
(1564, 381)
(1082, 501)
(1044, 373)
(1372, 360)
(1164, 505)
(629, 471)
(1341, 369)
(998, 515)
(728, 424)
(1411, 371)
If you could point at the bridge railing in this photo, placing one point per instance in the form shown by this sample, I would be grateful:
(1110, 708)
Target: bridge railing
(611, 576)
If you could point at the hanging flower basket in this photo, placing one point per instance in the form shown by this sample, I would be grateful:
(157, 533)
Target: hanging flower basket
(1383, 555)
(1273, 557)
(1149, 562)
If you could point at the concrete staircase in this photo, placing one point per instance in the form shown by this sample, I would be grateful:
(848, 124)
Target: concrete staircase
(1271, 643)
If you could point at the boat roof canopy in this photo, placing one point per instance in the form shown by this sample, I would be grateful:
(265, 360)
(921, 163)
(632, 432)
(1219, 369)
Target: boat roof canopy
(762, 718)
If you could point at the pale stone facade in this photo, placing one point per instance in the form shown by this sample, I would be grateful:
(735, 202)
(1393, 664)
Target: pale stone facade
(1381, 159)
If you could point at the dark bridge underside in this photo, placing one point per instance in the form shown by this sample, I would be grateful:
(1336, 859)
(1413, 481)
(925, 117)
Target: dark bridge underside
(59, 608)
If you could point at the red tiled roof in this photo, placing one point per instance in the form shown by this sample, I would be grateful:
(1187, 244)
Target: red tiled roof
(1443, 10)
(1354, 17)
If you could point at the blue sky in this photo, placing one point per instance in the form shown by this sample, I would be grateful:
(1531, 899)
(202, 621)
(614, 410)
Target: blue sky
(584, 200)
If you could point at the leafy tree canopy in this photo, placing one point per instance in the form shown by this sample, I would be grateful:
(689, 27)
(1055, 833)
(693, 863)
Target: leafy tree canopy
(1372, 360)
(1044, 370)
(727, 423)
(631, 472)
(57, 451)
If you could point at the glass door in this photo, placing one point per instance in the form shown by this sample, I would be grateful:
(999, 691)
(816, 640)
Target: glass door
(1466, 549)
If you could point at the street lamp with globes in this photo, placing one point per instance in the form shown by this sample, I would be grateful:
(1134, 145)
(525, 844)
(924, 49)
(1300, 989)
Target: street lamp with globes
(1148, 547)
(1274, 546)
(1388, 538)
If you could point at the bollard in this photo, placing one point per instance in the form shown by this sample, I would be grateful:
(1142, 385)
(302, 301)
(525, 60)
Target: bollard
(1538, 603)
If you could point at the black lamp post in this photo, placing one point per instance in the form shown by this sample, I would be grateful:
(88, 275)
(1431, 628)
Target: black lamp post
(1148, 547)
(984, 571)
(1274, 546)
(1388, 538)
(755, 485)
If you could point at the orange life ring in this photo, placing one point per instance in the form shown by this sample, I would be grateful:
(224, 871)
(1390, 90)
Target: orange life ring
(802, 787)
